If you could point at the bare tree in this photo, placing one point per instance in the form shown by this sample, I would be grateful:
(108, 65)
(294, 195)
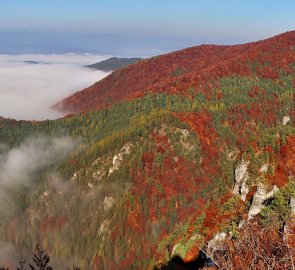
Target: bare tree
(258, 248)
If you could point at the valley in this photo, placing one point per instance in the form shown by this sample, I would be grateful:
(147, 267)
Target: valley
(163, 161)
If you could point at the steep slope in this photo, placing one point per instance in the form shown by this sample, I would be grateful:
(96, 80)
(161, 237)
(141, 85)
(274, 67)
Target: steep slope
(195, 69)
(165, 174)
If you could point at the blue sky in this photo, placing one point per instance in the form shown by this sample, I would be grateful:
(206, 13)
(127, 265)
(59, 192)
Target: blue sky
(218, 21)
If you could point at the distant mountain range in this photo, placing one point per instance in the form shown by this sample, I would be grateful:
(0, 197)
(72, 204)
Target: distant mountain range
(114, 63)
(32, 62)
(29, 42)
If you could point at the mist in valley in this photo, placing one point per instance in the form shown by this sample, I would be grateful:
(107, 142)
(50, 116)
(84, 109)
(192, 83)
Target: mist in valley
(30, 84)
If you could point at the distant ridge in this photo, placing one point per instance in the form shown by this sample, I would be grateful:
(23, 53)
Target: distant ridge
(114, 63)
(178, 72)
(31, 62)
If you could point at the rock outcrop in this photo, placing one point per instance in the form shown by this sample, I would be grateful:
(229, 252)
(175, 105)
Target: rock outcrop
(286, 119)
(241, 176)
(216, 243)
(118, 158)
(104, 227)
(292, 206)
(108, 203)
(260, 196)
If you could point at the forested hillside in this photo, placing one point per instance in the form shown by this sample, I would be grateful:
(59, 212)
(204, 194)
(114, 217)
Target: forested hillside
(175, 156)
(114, 63)
(195, 69)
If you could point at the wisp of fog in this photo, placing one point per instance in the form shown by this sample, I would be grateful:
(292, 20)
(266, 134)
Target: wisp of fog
(31, 84)
(18, 166)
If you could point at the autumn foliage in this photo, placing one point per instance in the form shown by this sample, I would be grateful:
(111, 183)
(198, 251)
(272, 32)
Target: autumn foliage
(196, 68)
(188, 119)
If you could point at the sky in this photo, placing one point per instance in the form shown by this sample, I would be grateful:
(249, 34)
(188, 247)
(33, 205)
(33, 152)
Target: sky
(157, 23)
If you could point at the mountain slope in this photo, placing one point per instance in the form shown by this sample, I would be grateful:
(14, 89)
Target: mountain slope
(165, 174)
(189, 70)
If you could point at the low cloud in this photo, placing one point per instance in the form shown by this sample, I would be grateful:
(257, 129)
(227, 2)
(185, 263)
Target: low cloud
(18, 165)
(31, 84)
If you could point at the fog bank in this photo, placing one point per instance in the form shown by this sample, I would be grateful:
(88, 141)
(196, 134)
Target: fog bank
(19, 164)
(31, 84)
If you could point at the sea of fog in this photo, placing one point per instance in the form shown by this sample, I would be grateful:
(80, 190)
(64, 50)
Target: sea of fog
(30, 84)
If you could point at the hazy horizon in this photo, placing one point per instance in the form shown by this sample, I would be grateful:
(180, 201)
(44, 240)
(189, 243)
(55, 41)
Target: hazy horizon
(133, 28)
